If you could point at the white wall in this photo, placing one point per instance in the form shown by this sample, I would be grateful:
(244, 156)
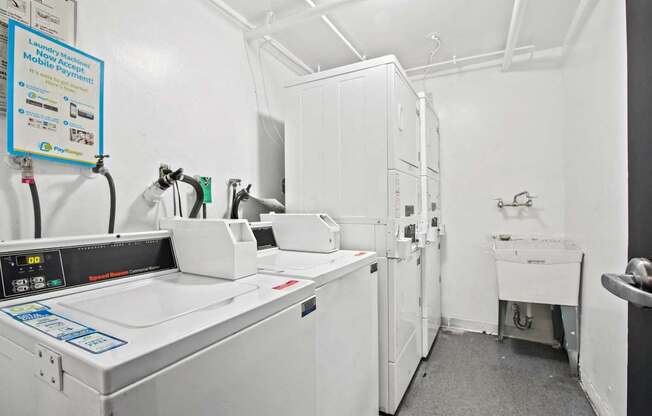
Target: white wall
(595, 92)
(501, 134)
(178, 90)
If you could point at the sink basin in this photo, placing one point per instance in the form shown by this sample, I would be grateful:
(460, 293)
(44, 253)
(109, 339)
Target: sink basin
(538, 270)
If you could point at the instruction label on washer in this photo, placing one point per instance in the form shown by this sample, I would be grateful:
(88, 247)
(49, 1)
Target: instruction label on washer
(16, 310)
(53, 325)
(42, 319)
(97, 343)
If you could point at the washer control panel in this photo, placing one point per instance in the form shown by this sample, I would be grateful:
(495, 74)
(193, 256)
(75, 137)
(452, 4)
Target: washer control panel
(25, 274)
(28, 273)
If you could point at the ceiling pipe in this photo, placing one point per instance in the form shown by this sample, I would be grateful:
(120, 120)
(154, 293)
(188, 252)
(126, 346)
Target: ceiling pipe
(276, 45)
(339, 34)
(582, 13)
(518, 15)
(288, 54)
(297, 18)
(231, 13)
(475, 59)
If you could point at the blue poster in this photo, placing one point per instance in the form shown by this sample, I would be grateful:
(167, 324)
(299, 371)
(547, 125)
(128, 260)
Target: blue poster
(55, 99)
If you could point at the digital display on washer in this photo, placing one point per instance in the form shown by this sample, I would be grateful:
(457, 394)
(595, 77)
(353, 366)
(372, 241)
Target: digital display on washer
(29, 273)
(30, 260)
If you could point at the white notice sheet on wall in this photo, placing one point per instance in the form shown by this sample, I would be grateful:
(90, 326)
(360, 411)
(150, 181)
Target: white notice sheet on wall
(56, 18)
(55, 98)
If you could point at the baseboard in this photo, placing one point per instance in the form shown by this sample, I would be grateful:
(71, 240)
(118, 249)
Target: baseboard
(470, 326)
(600, 407)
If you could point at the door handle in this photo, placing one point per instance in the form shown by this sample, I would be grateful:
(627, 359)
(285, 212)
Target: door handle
(635, 285)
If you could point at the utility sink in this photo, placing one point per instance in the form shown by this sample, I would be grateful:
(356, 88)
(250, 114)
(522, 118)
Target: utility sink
(538, 270)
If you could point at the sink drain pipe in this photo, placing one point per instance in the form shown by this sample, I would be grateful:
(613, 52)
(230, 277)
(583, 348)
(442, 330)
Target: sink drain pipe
(525, 323)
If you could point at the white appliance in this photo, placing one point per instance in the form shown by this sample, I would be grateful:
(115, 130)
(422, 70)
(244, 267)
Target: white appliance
(347, 320)
(430, 223)
(316, 233)
(352, 150)
(542, 270)
(198, 241)
(109, 325)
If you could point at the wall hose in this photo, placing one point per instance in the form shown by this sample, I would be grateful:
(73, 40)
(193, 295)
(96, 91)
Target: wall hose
(101, 170)
(199, 195)
(242, 195)
(37, 208)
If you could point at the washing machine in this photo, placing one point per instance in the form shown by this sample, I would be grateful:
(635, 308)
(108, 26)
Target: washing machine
(347, 295)
(111, 325)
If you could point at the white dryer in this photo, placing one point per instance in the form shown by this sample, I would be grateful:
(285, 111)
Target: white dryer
(431, 270)
(352, 150)
(347, 319)
(109, 325)
(430, 223)
(399, 326)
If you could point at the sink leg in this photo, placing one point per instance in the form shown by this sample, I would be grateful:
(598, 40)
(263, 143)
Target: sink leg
(570, 318)
(502, 315)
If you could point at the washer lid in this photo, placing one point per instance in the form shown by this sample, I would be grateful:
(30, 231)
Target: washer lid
(295, 260)
(154, 301)
(114, 336)
(319, 267)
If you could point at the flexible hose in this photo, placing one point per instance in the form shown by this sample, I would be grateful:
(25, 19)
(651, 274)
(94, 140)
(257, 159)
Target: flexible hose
(176, 193)
(234, 193)
(199, 195)
(109, 179)
(37, 209)
(242, 195)
(100, 169)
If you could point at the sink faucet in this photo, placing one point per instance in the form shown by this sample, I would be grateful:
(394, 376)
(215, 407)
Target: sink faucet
(515, 202)
(528, 199)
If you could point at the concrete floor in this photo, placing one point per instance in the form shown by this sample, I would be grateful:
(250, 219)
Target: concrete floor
(474, 375)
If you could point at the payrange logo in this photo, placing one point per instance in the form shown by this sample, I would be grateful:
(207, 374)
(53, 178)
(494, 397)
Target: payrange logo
(45, 147)
(48, 147)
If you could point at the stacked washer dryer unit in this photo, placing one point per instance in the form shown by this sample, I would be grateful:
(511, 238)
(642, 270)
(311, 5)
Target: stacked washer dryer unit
(430, 223)
(352, 150)
(139, 324)
(307, 246)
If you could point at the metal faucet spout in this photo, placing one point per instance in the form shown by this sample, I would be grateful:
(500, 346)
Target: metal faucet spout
(520, 194)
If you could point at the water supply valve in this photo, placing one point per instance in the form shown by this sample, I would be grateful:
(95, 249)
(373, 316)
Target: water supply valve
(27, 170)
(99, 166)
(155, 191)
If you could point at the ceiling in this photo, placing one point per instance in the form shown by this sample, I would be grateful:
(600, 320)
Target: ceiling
(401, 27)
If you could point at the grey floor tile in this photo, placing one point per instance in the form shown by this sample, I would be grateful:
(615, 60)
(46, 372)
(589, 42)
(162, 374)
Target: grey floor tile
(474, 375)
